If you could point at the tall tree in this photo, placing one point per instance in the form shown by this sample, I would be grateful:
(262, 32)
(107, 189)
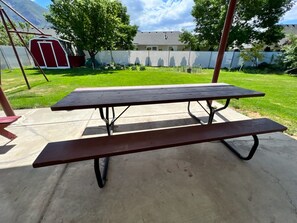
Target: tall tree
(126, 32)
(254, 21)
(92, 25)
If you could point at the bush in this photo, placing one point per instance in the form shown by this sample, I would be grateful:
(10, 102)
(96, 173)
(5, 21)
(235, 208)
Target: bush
(290, 53)
(133, 67)
(120, 67)
(292, 71)
(253, 54)
(89, 63)
(264, 65)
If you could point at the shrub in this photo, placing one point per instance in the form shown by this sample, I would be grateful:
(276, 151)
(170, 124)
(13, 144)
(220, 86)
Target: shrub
(90, 65)
(289, 58)
(253, 54)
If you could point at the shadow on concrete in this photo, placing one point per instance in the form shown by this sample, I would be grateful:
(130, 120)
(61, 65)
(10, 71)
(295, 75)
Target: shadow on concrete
(4, 149)
(94, 130)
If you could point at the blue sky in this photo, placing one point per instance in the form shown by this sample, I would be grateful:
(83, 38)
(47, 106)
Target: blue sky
(159, 15)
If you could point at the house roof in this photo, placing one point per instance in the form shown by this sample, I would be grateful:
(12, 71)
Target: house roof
(290, 28)
(158, 38)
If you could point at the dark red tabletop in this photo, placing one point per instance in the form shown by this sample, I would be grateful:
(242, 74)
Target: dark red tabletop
(83, 98)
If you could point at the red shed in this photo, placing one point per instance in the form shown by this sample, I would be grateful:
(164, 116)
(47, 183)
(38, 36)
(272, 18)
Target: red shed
(49, 52)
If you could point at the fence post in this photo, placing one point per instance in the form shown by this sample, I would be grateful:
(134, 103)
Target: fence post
(3, 55)
(209, 60)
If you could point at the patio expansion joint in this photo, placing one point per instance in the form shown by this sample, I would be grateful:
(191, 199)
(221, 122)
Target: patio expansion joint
(278, 182)
(51, 123)
(32, 130)
(52, 193)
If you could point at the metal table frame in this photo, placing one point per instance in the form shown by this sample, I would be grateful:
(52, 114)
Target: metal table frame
(109, 123)
(106, 109)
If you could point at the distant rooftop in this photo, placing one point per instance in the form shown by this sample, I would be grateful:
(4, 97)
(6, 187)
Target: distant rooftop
(290, 28)
(158, 38)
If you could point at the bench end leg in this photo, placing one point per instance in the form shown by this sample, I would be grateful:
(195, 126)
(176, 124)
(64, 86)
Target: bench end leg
(101, 179)
(7, 134)
(251, 153)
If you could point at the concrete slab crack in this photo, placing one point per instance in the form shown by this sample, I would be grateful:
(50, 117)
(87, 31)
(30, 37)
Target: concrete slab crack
(43, 212)
(278, 181)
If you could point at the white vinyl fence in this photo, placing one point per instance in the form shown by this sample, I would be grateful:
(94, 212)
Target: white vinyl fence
(8, 59)
(204, 59)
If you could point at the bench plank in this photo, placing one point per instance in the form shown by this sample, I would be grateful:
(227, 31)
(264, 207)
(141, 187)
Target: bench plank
(98, 147)
(4, 122)
(8, 119)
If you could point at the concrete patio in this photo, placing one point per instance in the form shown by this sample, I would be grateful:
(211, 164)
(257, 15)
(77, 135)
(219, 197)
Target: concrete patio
(197, 183)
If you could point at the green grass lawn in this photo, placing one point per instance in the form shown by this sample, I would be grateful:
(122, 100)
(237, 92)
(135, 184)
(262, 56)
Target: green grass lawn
(279, 104)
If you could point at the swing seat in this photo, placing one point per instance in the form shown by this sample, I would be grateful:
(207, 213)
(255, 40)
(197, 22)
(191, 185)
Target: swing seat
(6, 121)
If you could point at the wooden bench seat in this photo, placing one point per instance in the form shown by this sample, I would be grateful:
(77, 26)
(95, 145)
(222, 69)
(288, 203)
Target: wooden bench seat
(6, 121)
(106, 146)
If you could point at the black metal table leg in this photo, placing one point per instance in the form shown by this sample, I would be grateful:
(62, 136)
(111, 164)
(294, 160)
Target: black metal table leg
(105, 117)
(212, 111)
(101, 179)
(251, 153)
(192, 115)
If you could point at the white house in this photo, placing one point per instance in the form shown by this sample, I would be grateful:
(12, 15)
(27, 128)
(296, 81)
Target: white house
(158, 41)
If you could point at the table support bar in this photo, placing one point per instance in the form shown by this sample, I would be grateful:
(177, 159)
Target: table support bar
(211, 113)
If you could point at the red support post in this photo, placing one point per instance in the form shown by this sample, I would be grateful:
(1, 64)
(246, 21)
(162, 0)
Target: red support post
(5, 104)
(224, 39)
(17, 13)
(13, 46)
(24, 44)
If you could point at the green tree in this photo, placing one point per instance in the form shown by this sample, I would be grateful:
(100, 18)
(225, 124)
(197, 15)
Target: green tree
(289, 58)
(92, 25)
(25, 27)
(126, 32)
(3, 36)
(189, 39)
(4, 40)
(254, 21)
(253, 54)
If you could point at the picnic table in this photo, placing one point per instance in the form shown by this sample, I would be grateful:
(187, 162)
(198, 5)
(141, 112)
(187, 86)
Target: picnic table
(106, 99)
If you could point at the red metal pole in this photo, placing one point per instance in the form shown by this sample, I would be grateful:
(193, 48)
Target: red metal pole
(21, 16)
(13, 47)
(24, 44)
(23, 32)
(224, 39)
(5, 104)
